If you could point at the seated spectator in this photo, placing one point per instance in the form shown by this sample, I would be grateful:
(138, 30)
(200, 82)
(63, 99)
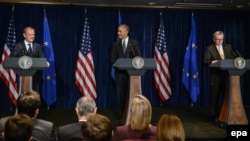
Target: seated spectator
(170, 128)
(29, 103)
(18, 128)
(97, 128)
(139, 126)
(84, 106)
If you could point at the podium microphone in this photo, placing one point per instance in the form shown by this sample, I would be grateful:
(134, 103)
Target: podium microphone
(237, 53)
(22, 52)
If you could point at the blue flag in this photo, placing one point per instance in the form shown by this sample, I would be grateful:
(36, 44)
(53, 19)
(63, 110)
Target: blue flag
(190, 76)
(49, 76)
(112, 68)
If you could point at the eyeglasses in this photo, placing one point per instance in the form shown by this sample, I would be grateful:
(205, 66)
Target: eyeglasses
(219, 39)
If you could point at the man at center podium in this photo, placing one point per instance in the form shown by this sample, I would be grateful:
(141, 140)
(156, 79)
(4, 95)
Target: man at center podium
(215, 52)
(29, 48)
(125, 47)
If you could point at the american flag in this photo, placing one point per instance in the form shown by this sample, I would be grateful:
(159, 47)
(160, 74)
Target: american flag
(9, 75)
(84, 75)
(161, 73)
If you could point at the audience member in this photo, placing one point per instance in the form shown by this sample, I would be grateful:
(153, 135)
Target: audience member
(29, 103)
(139, 126)
(84, 106)
(18, 128)
(97, 128)
(170, 128)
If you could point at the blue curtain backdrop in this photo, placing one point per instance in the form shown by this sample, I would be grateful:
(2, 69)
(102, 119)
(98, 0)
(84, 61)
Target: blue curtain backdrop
(66, 23)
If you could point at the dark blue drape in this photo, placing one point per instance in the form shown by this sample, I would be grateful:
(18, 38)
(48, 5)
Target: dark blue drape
(66, 24)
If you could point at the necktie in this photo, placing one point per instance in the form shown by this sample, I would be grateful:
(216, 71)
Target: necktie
(29, 50)
(221, 52)
(124, 46)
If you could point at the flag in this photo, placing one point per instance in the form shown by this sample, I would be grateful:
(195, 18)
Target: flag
(161, 73)
(119, 23)
(190, 76)
(9, 75)
(49, 74)
(84, 74)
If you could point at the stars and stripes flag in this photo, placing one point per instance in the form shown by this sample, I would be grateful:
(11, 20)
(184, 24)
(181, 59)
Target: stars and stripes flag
(119, 23)
(9, 75)
(84, 74)
(49, 76)
(190, 76)
(161, 73)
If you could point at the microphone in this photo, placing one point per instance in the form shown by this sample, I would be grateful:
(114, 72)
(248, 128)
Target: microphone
(135, 53)
(138, 53)
(235, 53)
(238, 54)
(22, 52)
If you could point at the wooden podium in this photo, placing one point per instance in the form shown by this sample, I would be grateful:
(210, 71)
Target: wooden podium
(232, 111)
(135, 78)
(25, 67)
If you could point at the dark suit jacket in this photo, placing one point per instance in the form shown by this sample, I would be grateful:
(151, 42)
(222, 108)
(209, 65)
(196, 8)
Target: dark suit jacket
(70, 132)
(42, 130)
(117, 51)
(20, 50)
(125, 133)
(212, 53)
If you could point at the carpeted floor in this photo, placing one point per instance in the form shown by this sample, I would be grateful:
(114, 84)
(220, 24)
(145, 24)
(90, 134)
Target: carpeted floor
(198, 122)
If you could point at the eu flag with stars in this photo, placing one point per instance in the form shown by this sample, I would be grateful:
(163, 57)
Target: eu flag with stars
(190, 76)
(119, 23)
(49, 75)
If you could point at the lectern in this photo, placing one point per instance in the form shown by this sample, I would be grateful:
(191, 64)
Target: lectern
(232, 112)
(135, 68)
(25, 67)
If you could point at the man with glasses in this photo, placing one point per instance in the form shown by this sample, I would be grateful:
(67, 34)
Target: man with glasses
(215, 52)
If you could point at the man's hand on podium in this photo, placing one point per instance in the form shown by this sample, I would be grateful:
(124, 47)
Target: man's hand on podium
(215, 61)
(48, 64)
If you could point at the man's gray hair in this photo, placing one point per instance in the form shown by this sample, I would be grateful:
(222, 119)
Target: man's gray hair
(217, 33)
(85, 105)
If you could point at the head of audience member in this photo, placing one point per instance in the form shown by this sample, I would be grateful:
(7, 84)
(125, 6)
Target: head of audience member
(29, 103)
(170, 128)
(97, 128)
(140, 113)
(123, 31)
(84, 106)
(18, 128)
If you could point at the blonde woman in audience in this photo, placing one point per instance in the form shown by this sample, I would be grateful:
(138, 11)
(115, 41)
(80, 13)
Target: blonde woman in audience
(139, 126)
(170, 128)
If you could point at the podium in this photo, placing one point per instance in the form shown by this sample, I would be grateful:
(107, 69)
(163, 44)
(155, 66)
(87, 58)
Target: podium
(232, 111)
(135, 73)
(25, 67)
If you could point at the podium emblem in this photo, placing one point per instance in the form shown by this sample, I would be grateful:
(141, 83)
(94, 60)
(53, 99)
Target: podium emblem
(138, 62)
(239, 63)
(25, 62)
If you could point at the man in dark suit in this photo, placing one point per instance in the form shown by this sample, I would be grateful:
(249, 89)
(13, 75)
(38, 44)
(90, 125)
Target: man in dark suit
(215, 52)
(123, 48)
(28, 103)
(18, 128)
(72, 132)
(29, 48)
